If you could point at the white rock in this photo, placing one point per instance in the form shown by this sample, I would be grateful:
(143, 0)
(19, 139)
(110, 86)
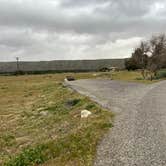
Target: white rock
(85, 113)
(65, 80)
(44, 113)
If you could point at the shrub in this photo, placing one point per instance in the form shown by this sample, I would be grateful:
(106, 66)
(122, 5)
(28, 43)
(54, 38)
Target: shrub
(104, 69)
(130, 64)
(161, 74)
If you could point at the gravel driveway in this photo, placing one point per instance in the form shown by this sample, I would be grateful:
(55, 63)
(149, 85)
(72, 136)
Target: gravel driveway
(138, 137)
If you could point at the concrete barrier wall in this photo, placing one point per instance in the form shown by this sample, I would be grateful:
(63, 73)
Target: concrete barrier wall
(62, 65)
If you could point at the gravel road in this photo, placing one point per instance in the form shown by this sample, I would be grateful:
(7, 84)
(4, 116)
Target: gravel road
(138, 137)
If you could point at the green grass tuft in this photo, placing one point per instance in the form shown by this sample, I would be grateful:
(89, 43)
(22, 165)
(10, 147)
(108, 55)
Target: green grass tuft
(29, 156)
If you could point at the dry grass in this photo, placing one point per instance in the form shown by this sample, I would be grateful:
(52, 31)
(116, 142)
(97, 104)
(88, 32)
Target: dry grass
(39, 126)
(133, 76)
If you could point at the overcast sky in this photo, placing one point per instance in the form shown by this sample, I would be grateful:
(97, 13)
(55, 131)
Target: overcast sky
(76, 29)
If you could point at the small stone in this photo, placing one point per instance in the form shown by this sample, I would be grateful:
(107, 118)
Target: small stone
(65, 80)
(44, 113)
(85, 113)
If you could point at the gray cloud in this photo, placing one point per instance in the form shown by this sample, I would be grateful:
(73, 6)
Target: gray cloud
(69, 29)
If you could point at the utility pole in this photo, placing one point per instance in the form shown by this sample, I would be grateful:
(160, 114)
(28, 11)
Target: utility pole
(17, 59)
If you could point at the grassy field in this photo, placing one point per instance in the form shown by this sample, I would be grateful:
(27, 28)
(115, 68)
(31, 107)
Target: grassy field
(133, 76)
(40, 122)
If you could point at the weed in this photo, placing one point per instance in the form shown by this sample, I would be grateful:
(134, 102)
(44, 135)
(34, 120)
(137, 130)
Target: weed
(90, 106)
(29, 156)
(8, 139)
(72, 102)
(61, 137)
(107, 125)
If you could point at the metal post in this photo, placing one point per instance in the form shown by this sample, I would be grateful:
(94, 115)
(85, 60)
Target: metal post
(17, 59)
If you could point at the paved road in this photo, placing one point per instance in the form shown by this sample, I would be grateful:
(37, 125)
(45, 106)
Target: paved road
(138, 137)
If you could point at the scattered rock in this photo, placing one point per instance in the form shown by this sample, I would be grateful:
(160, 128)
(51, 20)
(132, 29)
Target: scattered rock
(85, 113)
(65, 79)
(44, 113)
(70, 78)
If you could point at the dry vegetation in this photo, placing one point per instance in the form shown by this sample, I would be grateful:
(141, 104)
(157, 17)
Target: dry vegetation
(133, 76)
(150, 57)
(136, 76)
(40, 122)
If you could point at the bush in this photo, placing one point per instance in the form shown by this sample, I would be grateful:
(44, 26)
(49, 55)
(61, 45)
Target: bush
(19, 73)
(161, 74)
(130, 64)
(104, 69)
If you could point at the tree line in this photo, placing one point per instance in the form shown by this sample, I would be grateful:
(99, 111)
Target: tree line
(149, 56)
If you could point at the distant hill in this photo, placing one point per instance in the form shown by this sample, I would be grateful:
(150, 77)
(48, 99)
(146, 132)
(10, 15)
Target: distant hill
(62, 65)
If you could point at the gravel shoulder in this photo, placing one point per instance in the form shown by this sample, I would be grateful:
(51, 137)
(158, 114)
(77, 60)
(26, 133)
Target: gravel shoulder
(139, 133)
